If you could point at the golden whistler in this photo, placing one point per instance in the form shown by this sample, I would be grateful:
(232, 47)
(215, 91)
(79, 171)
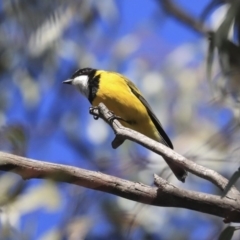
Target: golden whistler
(125, 100)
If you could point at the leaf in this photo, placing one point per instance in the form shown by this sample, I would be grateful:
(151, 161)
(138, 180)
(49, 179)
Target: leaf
(17, 137)
(227, 50)
(231, 182)
(224, 28)
(237, 27)
(227, 233)
(210, 55)
(210, 7)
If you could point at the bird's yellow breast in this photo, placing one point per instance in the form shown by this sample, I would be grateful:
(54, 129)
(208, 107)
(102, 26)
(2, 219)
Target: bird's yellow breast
(115, 93)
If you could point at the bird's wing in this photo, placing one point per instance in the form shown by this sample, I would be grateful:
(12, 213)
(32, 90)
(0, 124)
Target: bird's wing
(153, 117)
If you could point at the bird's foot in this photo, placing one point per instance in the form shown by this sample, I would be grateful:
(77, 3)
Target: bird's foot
(95, 112)
(113, 117)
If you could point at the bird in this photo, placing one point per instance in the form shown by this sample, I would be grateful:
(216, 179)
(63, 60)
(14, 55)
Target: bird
(125, 100)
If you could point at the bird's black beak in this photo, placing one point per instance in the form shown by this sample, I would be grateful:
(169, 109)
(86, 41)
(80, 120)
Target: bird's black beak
(69, 81)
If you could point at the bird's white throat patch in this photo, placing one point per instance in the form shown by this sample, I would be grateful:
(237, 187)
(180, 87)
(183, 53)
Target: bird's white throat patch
(81, 83)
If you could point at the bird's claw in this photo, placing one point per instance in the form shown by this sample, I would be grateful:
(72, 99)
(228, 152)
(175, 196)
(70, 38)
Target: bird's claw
(113, 117)
(94, 111)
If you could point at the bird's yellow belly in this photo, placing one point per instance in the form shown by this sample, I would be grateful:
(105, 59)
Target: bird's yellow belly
(128, 107)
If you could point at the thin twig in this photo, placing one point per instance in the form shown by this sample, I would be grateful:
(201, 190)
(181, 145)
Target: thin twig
(184, 17)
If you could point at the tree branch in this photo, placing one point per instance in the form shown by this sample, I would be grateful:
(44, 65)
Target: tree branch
(184, 17)
(125, 133)
(165, 194)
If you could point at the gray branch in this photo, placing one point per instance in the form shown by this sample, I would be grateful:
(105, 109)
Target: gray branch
(123, 133)
(165, 194)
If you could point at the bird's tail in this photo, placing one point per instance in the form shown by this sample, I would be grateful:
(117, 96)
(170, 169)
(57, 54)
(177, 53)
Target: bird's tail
(179, 172)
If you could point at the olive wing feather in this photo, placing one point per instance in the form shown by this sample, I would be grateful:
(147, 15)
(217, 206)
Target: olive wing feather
(153, 117)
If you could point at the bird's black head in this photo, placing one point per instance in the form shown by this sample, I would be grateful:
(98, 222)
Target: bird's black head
(84, 71)
(81, 80)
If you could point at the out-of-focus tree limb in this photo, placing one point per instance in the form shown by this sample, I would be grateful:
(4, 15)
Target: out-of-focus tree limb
(165, 194)
(183, 16)
(123, 133)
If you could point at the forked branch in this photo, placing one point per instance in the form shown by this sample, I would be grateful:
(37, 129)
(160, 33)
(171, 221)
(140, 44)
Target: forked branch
(123, 133)
(165, 194)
